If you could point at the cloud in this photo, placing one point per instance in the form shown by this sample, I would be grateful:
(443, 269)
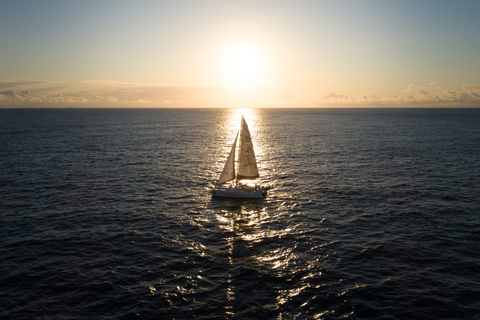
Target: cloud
(54, 94)
(471, 87)
(174, 101)
(32, 94)
(286, 96)
(411, 87)
(416, 96)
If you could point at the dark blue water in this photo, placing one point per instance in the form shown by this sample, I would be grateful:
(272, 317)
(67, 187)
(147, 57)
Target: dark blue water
(106, 214)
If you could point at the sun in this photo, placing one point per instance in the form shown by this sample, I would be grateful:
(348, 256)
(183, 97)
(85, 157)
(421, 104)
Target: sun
(243, 63)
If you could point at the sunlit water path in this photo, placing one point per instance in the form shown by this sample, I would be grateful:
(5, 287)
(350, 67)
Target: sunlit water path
(106, 214)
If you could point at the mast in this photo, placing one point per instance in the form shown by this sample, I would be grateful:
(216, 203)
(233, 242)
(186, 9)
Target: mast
(247, 164)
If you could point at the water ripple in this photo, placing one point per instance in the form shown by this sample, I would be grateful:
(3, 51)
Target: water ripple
(371, 215)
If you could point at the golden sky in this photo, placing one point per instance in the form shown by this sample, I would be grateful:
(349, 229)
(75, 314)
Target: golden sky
(240, 53)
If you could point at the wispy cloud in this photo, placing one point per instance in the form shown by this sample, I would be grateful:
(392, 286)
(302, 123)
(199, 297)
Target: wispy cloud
(413, 96)
(30, 93)
(54, 94)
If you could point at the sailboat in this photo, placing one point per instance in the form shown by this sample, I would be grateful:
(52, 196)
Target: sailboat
(242, 184)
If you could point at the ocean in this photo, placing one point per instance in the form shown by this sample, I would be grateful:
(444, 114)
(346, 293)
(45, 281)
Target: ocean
(107, 214)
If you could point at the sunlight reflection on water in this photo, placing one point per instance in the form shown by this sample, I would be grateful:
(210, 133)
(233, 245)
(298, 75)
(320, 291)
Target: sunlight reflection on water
(359, 223)
(249, 227)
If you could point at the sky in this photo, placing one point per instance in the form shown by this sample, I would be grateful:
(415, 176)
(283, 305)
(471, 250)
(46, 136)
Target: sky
(240, 54)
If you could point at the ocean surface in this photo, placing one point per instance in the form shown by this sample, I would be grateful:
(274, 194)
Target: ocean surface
(107, 214)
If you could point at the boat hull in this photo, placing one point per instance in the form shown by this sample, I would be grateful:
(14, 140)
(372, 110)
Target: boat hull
(238, 193)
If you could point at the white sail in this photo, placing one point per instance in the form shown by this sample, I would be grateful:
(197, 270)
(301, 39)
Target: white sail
(228, 172)
(247, 165)
(247, 170)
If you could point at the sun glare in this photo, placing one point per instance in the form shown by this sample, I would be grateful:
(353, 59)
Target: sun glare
(243, 63)
(233, 123)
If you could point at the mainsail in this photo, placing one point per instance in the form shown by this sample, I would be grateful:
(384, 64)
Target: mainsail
(228, 172)
(247, 165)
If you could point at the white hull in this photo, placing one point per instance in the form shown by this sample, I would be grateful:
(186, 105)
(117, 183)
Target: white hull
(239, 193)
